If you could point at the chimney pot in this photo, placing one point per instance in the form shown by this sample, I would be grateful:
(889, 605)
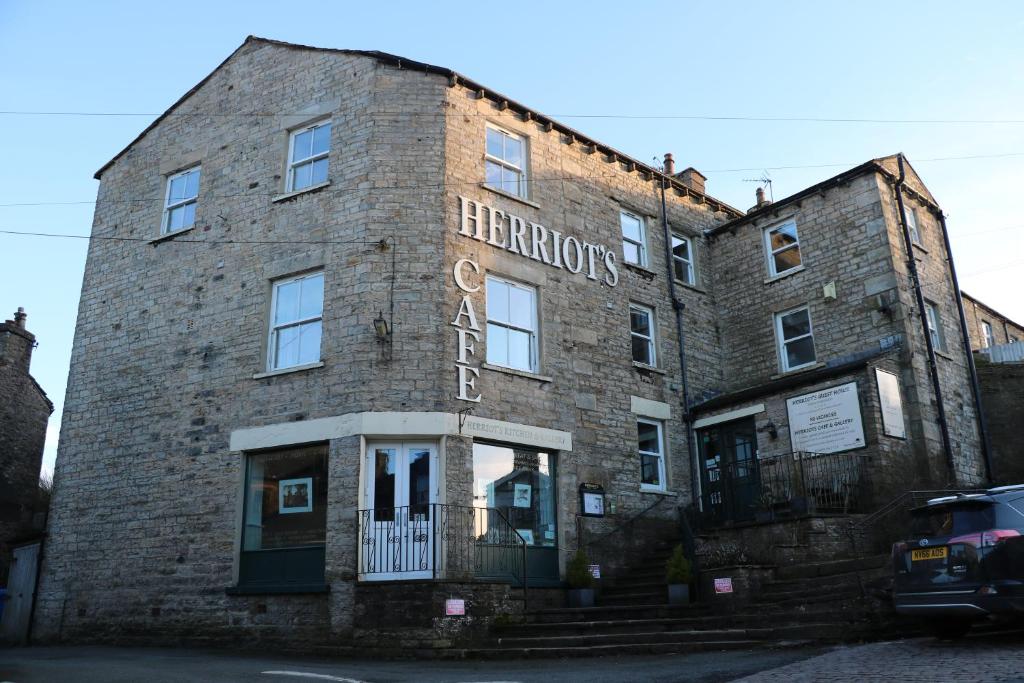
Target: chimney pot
(19, 317)
(670, 164)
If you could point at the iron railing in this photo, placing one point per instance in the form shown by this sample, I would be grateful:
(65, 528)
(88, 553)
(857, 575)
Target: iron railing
(790, 484)
(440, 541)
(876, 532)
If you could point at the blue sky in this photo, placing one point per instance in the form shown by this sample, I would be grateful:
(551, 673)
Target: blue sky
(593, 64)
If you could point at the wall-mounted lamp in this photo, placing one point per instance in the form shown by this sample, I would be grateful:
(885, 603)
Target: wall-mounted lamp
(770, 427)
(381, 327)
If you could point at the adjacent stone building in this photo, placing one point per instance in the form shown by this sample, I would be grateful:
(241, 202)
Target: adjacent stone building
(24, 412)
(382, 337)
(988, 327)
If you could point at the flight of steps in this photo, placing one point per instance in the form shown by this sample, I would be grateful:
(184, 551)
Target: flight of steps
(824, 602)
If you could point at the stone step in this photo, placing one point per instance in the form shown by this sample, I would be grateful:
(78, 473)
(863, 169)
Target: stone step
(651, 586)
(614, 612)
(818, 632)
(607, 650)
(634, 598)
(831, 568)
(849, 578)
(681, 617)
(796, 598)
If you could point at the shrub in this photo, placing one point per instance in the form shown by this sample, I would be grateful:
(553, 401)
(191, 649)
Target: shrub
(677, 569)
(577, 573)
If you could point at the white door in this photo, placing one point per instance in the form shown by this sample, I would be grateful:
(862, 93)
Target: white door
(21, 592)
(397, 525)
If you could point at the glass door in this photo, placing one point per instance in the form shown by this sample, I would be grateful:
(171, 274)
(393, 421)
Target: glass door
(730, 479)
(397, 535)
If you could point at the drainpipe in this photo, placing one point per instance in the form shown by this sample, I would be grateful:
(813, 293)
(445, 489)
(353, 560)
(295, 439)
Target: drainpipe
(916, 281)
(678, 306)
(986, 444)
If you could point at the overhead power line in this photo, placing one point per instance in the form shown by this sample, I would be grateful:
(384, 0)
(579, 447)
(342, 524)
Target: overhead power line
(371, 186)
(682, 117)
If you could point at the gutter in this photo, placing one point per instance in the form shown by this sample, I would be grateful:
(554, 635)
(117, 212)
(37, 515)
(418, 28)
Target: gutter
(919, 295)
(986, 444)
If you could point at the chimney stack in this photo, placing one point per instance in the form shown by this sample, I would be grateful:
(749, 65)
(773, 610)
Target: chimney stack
(16, 342)
(761, 201)
(670, 164)
(693, 179)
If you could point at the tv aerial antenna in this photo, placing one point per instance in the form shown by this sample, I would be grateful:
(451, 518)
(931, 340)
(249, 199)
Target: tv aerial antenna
(766, 181)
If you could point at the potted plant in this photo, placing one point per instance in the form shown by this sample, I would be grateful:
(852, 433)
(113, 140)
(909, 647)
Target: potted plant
(677, 575)
(581, 581)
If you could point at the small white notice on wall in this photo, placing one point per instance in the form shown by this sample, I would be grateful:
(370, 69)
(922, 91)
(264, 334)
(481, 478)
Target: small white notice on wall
(826, 421)
(891, 404)
(455, 608)
(723, 585)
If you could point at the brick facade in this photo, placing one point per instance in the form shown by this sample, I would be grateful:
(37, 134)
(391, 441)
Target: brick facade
(169, 390)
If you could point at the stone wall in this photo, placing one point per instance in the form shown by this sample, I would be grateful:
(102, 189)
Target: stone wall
(24, 412)
(1002, 398)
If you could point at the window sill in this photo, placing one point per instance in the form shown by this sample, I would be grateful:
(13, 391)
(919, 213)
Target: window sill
(919, 247)
(279, 589)
(656, 491)
(285, 371)
(644, 367)
(295, 193)
(517, 373)
(944, 354)
(693, 287)
(643, 271)
(780, 276)
(509, 195)
(797, 371)
(171, 235)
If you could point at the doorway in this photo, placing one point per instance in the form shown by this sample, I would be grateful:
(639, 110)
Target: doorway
(730, 478)
(397, 538)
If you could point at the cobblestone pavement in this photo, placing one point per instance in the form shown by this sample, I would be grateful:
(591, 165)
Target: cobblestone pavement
(990, 659)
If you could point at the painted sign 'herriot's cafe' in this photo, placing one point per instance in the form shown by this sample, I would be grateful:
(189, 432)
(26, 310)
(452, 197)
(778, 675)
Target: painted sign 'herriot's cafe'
(530, 240)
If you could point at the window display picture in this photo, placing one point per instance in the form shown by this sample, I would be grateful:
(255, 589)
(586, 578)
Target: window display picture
(521, 499)
(295, 495)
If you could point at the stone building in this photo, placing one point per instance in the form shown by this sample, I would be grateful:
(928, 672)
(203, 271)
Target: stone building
(24, 412)
(379, 322)
(988, 327)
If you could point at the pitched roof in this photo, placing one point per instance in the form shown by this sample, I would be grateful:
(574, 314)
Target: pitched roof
(454, 78)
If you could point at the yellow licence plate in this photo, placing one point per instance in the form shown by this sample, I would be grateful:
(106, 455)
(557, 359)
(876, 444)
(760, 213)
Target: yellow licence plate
(929, 554)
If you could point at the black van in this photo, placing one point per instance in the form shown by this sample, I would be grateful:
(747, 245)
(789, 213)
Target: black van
(964, 561)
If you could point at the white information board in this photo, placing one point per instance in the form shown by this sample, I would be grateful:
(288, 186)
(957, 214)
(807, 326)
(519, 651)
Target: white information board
(826, 421)
(891, 403)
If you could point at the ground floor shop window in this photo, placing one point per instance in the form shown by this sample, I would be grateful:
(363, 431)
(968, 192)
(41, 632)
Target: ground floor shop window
(518, 483)
(285, 519)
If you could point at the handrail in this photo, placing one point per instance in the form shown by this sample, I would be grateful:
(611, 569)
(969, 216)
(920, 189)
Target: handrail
(619, 527)
(901, 504)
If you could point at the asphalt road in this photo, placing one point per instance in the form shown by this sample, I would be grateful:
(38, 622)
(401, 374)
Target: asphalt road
(151, 665)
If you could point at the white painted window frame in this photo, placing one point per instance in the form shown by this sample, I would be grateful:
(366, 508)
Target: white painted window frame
(691, 270)
(275, 329)
(652, 343)
(988, 338)
(641, 245)
(781, 340)
(518, 170)
(915, 233)
(294, 163)
(168, 206)
(660, 426)
(534, 321)
(770, 253)
(934, 319)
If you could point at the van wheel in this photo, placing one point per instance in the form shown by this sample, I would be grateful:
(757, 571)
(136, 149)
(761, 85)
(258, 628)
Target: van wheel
(949, 630)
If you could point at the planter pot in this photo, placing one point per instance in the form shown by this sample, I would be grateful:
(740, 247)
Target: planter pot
(799, 505)
(678, 594)
(581, 597)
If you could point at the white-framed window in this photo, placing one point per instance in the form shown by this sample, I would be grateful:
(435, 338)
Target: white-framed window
(641, 333)
(795, 337)
(296, 321)
(783, 246)
(308, 151)
(180, 201)
(505, 161)
(682, 259)
(512, 325)
(651, 448)
(931, 313)
(634, 238)
(915, 235)
(987, 339)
